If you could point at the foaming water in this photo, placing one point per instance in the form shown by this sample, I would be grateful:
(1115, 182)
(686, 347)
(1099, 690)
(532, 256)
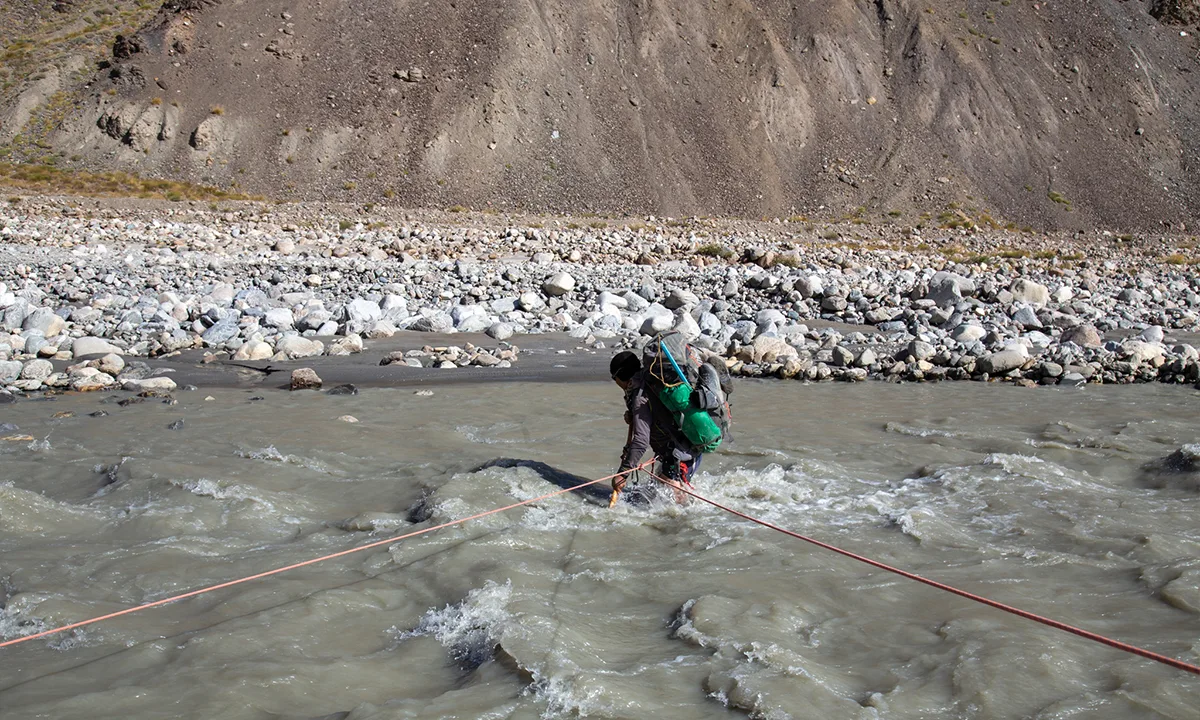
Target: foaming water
(1065, 502)
(471, 629)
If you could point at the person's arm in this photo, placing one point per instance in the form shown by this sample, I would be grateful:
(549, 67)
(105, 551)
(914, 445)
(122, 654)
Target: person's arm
(639, 418)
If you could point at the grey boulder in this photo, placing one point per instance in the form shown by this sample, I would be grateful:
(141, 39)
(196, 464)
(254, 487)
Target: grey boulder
(86, 346)
(1001, 362)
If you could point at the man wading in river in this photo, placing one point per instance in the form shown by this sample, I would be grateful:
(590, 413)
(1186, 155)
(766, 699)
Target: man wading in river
(675, 405)
(650, 427)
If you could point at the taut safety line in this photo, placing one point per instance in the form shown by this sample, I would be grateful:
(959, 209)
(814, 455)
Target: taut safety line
(276, 571)
(686, 488)
(1149, 655)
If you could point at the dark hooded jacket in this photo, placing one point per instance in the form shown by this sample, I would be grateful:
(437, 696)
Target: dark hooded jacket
(653, 426)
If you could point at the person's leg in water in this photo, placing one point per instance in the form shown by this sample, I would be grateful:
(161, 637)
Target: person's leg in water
(640, 491)
(678, 470)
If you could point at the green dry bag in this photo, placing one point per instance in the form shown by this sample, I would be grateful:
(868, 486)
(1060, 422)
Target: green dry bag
(677, 398)
(697, 425)
(700, 430)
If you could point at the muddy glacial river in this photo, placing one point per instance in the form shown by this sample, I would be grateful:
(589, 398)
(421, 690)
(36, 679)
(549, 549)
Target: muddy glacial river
(1046, 499)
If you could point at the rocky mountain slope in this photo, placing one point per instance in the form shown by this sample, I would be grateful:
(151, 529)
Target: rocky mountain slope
(1047, 113)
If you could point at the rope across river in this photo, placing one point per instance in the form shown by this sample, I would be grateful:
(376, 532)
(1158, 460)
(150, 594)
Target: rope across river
(686, 488)
(1164, 659)
(314, 561)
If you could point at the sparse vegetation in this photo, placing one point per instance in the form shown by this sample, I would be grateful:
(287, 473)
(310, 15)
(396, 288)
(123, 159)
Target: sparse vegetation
(1059, 198)
(790, 260)
(217, 110)
(954, 219)
(1013, 254)
(48, 180)
(714, 250)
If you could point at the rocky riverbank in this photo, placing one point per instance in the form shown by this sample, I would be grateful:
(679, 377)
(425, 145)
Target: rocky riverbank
(85, 290)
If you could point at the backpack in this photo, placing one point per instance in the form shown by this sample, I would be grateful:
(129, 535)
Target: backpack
(694, 391)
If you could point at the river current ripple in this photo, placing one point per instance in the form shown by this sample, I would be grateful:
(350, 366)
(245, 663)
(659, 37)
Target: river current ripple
(1054, 500)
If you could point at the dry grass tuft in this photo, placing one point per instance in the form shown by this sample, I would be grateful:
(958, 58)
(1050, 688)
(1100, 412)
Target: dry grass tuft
(46, 180)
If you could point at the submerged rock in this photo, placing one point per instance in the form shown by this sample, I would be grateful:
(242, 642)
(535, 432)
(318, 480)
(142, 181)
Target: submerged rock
(1179, 470)
(372, 521)
(1184, 460)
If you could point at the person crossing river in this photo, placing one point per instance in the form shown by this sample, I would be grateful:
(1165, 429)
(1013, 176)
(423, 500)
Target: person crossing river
(678, 431)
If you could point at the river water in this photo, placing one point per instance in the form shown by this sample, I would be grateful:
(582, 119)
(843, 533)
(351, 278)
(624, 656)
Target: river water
(1046, 499)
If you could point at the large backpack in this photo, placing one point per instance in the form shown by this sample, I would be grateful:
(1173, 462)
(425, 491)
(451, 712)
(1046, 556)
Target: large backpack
(694, 391)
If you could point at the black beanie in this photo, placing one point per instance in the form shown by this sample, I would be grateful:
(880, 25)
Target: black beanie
(624, 366)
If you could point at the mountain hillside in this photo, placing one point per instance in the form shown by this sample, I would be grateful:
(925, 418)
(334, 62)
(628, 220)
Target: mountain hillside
(1047, 113)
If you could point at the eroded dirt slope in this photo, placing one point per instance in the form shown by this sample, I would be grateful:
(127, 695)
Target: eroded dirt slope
(1036, 113)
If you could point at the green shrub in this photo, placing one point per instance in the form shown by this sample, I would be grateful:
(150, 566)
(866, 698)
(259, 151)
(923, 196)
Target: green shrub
(714, 250)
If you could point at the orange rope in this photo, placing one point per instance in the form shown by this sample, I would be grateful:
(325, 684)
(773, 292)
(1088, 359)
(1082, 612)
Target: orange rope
(1173, 662)
(1149, 655)
(343, 553)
